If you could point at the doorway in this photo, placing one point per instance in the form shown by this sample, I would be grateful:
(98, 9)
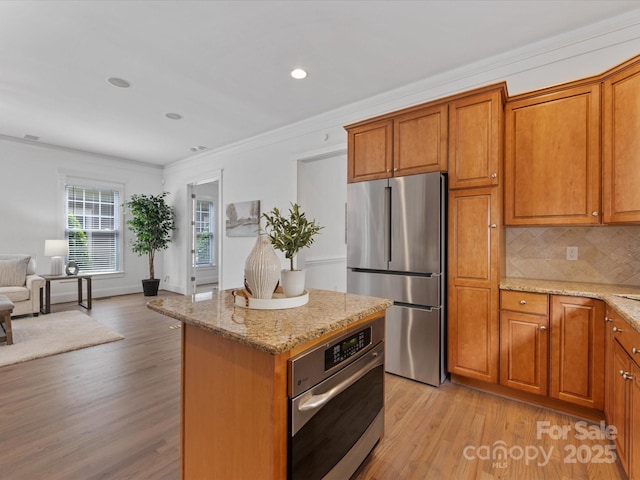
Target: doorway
(204, 247)
(322, 194)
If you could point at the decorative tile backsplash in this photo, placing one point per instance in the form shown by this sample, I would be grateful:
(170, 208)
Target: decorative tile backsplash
(605, 254)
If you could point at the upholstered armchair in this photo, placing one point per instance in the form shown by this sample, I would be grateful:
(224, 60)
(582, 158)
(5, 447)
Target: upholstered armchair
(19, 282)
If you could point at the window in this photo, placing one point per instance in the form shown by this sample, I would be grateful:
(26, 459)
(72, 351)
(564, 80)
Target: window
(204, 233)
(93, 227)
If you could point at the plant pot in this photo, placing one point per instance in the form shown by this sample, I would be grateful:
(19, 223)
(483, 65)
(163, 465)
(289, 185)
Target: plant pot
(150, 287)
(292, 282)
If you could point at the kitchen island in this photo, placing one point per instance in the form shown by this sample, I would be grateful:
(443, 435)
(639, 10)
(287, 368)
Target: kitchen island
(234, 421)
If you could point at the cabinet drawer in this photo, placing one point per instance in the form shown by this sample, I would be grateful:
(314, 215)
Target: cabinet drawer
(526, 302)
(628, 337)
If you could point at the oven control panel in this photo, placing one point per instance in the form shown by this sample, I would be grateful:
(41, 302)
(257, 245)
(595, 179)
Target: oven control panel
(346, 348)
(313, 366)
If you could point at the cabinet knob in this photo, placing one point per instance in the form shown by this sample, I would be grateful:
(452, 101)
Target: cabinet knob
(493, 225)
(607, 319)
(523, 302)
(494, 175)
(616, 329)
(595, 214)
(542, 328)
(634, 350)
(395, 169)
(626, 375)
(388, 171)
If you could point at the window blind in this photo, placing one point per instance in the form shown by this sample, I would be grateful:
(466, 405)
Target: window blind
(93, 227)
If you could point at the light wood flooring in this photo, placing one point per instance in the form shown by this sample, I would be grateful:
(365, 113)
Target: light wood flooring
(113, 412)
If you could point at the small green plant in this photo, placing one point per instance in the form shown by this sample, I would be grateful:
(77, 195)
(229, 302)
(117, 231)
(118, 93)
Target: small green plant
(290, 234)
(152, 223)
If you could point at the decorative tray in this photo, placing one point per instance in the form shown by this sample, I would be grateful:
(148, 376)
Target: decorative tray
(243, 299)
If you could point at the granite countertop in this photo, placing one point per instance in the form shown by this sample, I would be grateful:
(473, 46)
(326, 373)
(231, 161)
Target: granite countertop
(272, 331)
(626, 308)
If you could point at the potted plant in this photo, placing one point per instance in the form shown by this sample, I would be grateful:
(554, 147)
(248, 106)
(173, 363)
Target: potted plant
(152, 223)
(290, 234)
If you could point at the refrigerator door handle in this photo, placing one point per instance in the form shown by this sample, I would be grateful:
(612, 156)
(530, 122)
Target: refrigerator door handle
(387, 223)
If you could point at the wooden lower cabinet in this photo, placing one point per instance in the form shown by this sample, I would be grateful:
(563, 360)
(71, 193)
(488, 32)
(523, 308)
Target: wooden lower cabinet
(524, 343)
(577, 351)
(634, 424)
(619, 412)
(622, 409)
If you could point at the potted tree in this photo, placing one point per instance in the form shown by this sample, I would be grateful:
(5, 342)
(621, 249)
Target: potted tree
(290, 234)
(152, 223)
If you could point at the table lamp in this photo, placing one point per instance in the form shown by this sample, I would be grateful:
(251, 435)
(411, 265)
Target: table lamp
(56, 249)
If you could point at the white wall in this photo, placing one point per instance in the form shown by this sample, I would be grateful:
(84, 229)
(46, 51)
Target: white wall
(265, 167)
(32, 207)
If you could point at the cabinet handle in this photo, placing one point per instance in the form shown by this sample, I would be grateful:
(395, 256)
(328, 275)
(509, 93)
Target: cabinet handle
(634, 350)
(494, 175)
(595, 214)
(493, 225)
(616, 329)
(607, 319)
(523, 302)
(543, 328)
(626, 375)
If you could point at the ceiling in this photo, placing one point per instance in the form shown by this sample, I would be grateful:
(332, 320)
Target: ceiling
(224, 66)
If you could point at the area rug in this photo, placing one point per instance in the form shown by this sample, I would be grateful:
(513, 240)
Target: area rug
(44, 335)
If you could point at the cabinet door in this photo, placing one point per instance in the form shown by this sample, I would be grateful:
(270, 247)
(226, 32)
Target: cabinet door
(634, 424)
(473, 284)
(620, 397)
(577, 351)
(552, 158)
(420, 141)
(369, 151)
(608, 363)
(475, 140)
(621, 146)
(524, 351)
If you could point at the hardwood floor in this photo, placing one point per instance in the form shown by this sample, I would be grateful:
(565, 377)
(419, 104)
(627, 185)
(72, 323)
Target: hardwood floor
(113, 412)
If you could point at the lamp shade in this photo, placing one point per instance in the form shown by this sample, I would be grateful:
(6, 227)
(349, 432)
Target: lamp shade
(56, 248)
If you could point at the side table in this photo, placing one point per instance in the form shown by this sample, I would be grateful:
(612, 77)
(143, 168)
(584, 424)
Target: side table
(45, 306)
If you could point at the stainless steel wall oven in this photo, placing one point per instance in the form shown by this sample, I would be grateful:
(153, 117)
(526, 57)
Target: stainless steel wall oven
(336, 407)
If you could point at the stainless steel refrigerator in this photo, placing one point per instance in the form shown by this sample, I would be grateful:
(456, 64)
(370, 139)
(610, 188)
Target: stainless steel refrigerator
(395, 249)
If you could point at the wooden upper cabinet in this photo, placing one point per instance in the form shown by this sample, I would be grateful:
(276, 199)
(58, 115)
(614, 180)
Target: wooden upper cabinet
(475, 139)
(621, 145)
(420, 141)
(369, 151)
(408, 142)
(552, 157)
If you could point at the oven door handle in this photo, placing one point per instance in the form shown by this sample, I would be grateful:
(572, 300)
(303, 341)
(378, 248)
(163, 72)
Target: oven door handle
(317, 401)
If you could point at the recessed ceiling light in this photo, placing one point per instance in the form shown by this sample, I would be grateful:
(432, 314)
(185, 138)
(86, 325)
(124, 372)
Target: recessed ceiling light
(173, 116)
(119, 82)
(31, 137)
(298, 73)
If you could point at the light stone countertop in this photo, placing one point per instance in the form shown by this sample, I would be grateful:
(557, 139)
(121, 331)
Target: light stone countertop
(627, 308)
(272, 331)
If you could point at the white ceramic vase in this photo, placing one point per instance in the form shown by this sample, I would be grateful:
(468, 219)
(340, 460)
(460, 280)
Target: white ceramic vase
(262, 268)
(293, 282)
